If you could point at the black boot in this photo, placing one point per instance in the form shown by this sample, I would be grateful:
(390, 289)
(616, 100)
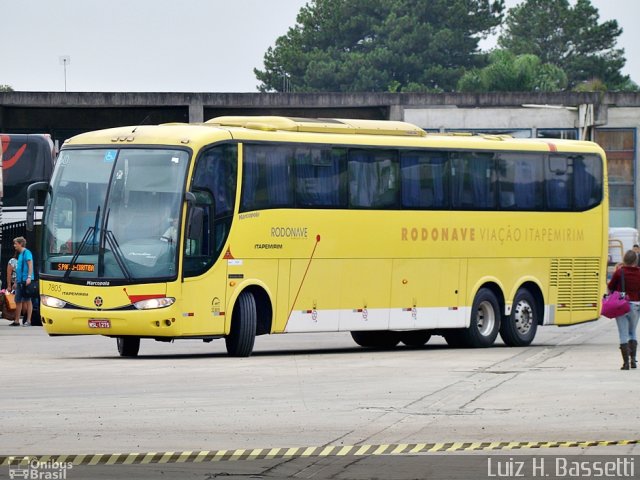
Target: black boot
(633, 347)
(624, 349)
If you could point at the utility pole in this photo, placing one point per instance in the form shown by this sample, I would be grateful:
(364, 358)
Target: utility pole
(64, 61)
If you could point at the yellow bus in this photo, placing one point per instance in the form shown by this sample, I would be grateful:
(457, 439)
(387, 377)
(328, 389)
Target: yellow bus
(244, 226)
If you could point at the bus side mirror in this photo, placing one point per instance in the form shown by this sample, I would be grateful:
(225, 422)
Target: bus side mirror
(32, 193)
(190, 197)
(31, 209)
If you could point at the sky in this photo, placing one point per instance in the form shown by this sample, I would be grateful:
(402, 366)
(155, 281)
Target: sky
(174, 46)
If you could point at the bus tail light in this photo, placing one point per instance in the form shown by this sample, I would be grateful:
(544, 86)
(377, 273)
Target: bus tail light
(52, 301)
(153, 303)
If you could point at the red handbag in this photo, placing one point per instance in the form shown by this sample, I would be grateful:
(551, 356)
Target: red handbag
(615, 304)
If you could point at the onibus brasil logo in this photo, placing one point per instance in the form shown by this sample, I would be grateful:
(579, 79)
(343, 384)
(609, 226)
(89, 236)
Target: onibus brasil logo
(33, 468)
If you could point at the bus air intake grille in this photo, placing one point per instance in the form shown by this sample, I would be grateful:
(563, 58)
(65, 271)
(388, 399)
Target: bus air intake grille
(577, 282)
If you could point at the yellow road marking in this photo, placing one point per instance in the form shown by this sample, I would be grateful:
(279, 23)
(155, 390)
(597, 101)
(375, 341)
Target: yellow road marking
(295, 452)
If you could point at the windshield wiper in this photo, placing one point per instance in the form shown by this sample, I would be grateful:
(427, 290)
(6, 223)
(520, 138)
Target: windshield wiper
(74, 259)
(83, 242)
(109, 238)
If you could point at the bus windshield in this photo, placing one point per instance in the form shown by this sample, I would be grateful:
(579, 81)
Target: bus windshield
(113, 214)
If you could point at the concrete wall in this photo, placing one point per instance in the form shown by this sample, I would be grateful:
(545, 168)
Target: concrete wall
(391, 105)
(490, 118)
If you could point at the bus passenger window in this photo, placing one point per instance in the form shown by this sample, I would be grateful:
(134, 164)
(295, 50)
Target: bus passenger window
(558, 183)
(521, 181)
(473, 184)
(267, 180)
(587, 183)
(373, 179)
(319, 178)
(424, 180)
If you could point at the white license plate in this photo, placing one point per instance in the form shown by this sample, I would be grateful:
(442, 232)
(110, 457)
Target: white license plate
(99, 323)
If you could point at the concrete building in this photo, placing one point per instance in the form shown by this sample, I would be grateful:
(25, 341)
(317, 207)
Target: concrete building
(610, 119)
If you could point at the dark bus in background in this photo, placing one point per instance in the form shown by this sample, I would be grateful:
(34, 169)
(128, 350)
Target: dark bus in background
(26, 158)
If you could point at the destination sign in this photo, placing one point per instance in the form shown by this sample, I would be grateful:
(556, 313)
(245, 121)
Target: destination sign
(76, 267)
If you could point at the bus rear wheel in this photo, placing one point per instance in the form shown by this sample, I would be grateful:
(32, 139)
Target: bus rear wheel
(416, 338)
(244, 320)
(128, 346)
(376, 338)
(519, 329)
(485, 320)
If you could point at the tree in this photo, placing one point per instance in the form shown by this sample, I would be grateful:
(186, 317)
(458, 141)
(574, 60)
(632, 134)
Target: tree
(569, 37)
(379, 45)
(5, 88)
(507, 72)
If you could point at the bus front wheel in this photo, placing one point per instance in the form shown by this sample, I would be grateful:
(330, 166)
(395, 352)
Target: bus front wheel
(128, 346)
(519, 329)
(485, 320)
(244, 320)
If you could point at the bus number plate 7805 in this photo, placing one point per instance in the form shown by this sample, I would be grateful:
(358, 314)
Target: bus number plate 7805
(99, 323)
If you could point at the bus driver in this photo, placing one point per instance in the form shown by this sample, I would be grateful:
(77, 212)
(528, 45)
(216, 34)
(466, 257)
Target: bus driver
(171, 234)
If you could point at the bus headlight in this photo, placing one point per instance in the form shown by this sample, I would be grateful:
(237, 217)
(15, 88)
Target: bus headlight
(52, 301)
(152, 303)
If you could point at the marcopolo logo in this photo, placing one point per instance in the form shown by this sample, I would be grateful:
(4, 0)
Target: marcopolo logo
(33, 468)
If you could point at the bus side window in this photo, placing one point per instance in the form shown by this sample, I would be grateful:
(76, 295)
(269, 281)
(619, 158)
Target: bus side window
(521, 181)
(473, 183)
(373, 178)
(214, 184)
(319, 179)
(62, 227)
(587, 188)
(267, 180)
(558, 183)
(424, 179)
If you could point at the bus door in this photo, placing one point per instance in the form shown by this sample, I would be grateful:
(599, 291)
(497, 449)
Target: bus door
(210, 208)
(204, 286)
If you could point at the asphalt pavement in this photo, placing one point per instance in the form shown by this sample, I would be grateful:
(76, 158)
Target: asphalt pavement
(314, 393)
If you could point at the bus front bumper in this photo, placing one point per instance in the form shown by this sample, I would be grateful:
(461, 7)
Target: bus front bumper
(162, 322)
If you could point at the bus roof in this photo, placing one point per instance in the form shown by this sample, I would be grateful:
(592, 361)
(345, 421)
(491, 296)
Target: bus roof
(324, 130)
(321, 125)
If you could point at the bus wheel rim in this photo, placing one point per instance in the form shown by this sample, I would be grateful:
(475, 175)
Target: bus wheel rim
(523, 317)
(486, 318)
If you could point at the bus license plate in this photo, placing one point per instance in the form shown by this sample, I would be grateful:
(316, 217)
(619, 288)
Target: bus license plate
(99, 323)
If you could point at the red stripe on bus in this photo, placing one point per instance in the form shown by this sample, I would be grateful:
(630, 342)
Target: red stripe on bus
(304, 276)
(11, 161)
(139, 298)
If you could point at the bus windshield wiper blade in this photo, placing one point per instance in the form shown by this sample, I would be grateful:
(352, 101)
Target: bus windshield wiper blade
(109, 238)
(74, 259)
(117, 253)
(91, 230)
